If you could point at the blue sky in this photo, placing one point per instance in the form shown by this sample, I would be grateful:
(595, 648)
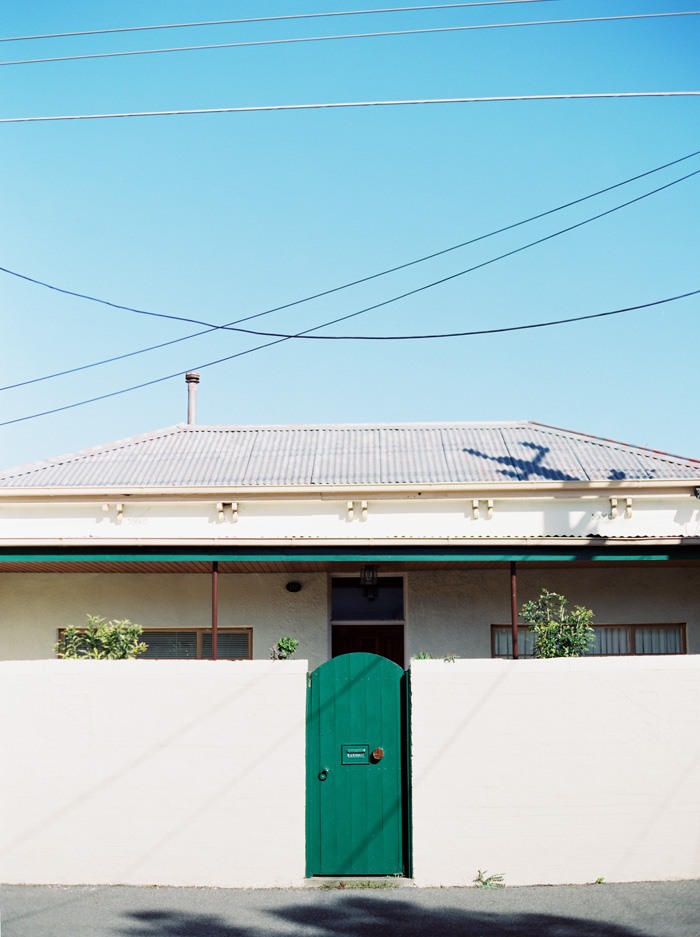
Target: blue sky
(223, 216)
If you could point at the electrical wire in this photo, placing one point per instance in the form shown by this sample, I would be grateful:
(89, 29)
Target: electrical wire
(233, 327)
(461, 273)
(186, 112)
(317, 295)
(240, 354)
(509, 328)
(273, 19)
(343, 36)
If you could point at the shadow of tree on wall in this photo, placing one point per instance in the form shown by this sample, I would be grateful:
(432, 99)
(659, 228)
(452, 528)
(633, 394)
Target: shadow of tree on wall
(367, 917)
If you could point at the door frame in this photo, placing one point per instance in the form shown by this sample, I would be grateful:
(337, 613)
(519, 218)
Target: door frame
(394, 621)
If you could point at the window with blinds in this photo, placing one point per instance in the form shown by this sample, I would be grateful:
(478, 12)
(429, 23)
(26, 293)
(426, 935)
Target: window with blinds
(195, 644)
(610, 640)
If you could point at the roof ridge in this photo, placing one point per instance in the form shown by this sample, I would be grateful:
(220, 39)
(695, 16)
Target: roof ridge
(428, 424)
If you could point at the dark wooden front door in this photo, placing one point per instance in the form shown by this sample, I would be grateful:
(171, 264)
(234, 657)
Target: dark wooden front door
(384, 640)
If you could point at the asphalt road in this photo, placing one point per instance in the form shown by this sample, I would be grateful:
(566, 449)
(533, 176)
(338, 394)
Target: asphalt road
(652, 909)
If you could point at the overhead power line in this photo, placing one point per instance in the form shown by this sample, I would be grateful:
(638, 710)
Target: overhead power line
(209, 326)
(432, 335)
(273, 19)
(454, 276)
(344, 36)
(318, 295)
(346, 104)
(201, 367)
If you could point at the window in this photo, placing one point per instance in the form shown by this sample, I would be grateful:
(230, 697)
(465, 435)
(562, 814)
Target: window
(195, 644)
(361, 624)
(349, 604)
(610, 640)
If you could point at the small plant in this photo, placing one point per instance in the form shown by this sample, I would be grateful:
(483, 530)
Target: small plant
(450, 658)
(558, 632)
(101, 640)
(483, 880)
(284, 648)
(599, 881)
(422, 655)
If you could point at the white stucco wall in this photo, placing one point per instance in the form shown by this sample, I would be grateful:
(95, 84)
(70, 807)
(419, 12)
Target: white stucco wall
(446, 612)
(452, 612)
(152, 772)
(326, 518)
(33, 606)
(556, 771)
(192, 772)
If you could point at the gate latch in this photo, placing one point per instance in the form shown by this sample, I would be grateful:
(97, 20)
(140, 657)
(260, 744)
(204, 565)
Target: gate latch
(323, 774)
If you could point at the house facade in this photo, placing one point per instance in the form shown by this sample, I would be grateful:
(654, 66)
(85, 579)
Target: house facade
(395, 539)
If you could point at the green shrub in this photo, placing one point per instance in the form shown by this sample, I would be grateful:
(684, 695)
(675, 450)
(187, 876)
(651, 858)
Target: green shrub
(101, 640)
(558, 632)
(284, 648)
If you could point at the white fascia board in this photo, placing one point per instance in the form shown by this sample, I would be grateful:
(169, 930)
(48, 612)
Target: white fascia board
(336, 521)
(509, 490)
(389, 543)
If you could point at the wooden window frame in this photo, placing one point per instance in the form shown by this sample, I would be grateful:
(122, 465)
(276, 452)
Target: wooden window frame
(631, 638)
(199, 638)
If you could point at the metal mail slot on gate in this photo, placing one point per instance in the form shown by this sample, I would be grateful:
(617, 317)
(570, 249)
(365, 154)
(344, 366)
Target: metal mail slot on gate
(354, 754)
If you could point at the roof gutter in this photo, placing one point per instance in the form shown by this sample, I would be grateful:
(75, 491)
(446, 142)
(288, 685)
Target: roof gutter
(522, 489)
(305, 544)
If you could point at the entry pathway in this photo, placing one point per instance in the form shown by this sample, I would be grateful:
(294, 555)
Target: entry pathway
(654, 909)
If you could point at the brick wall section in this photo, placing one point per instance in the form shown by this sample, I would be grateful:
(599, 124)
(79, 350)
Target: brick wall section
(556, 771)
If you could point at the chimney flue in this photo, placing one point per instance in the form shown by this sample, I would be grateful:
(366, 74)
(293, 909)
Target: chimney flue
(192, 379)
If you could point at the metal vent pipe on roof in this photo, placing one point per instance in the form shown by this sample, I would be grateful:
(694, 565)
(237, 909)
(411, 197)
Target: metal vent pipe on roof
(192, 379)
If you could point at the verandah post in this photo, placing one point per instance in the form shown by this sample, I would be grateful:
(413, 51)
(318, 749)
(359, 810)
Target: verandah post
(214, 608)
(514, 607)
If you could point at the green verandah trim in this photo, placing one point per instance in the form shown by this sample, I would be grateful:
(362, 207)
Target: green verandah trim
(348, 554)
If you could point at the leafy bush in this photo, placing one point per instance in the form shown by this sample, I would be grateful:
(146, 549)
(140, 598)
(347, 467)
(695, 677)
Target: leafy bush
(558, 632)
(101, 640)
(284, 648)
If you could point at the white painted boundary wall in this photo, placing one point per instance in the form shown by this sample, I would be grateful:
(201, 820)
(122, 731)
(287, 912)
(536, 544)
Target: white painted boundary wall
(556, 771)
(152, 772)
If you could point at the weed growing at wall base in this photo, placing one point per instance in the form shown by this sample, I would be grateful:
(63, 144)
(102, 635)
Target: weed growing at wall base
(484, 880)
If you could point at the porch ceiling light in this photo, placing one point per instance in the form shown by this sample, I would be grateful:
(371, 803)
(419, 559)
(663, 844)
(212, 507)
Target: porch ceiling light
(369, 581)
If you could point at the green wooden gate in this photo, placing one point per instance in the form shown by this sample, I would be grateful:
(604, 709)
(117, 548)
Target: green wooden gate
(357, 772)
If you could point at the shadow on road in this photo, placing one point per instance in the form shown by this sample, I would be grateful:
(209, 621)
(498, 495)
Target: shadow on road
(369, 917)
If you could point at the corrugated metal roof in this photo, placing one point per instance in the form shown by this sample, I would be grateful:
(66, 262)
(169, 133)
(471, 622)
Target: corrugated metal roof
(356, 455)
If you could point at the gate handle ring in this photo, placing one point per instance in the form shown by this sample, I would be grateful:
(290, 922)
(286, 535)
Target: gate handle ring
(323, 774)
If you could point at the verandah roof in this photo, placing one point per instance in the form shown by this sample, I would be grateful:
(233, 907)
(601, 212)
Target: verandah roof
(277, 559)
